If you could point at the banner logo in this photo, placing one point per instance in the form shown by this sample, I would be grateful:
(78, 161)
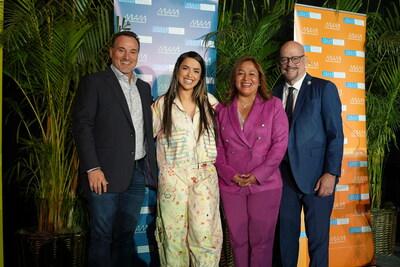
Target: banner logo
(333, 59)
(357, 101)
(168, 30)
(356, 118)
(332, 26)
(312, 65)
(359, 133)
(360, 179)
(358, 22)
(204, 24)
(141, 228)
(143, 249)
(342, 188)
(358, 196)
(331, 41)
(362, 229)
(355, 36)
(309, 30)
(312, 48)
(136, 18)
(142, 57)
(169, 50)
(208, 61)
(353, 164)
(359, 212)
(355, 68)
(143, 2)
(354, 53)
(355, 85)
(340, 221)
(168, 12)
(144, 39)
(204, 7)
(339, 205)
(210, 80)
(334, 74)
(337, 239)
(310, 15)
(199, 43)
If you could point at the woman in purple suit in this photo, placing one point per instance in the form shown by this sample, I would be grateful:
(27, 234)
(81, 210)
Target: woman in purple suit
(253, 135)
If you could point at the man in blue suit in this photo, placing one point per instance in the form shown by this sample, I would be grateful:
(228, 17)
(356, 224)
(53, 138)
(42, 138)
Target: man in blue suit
(312, 164)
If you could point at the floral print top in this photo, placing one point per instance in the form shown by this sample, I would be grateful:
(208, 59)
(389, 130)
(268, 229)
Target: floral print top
(184, 148)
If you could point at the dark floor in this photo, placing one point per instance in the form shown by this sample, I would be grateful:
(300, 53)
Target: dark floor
(389, 261)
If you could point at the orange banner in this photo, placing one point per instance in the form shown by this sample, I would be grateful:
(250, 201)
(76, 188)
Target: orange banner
(334, 44)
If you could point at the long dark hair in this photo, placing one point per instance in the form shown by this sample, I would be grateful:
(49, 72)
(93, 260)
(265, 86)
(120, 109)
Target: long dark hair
(233, 91)
(199, 96)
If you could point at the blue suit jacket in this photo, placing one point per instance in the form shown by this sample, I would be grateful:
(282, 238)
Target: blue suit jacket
(316, 135)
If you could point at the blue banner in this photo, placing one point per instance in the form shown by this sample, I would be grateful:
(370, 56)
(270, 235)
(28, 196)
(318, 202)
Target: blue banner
(167, 29)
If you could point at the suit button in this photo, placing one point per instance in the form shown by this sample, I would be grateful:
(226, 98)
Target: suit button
(233, 152)
(250, 150)
(262, 125)
(226, 140)
(222, 128)
(132, 153)
(258, 138)
(131, 134)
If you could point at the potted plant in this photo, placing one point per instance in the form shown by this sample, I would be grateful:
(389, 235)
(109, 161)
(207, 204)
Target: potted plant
(383, 116)
(48, 45)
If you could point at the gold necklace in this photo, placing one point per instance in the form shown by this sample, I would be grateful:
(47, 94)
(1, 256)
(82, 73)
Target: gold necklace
(244, 105)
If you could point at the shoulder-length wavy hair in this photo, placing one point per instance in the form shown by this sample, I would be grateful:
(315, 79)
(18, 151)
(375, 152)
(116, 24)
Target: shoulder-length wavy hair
(199, 96)
(233, 91)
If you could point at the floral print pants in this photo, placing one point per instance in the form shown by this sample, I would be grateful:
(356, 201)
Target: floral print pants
(188, 221)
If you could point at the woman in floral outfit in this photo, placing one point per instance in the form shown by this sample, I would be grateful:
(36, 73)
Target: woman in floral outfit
(188, 220)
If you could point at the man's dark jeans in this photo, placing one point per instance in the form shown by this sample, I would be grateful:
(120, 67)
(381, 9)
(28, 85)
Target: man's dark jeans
(113, 221)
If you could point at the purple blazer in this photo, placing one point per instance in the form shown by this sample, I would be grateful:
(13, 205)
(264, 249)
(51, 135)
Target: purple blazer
(258, 149)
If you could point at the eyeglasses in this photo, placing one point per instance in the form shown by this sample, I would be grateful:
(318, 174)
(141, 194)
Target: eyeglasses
(284, 60)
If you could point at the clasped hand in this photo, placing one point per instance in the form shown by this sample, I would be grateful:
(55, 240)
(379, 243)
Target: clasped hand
(243, 180)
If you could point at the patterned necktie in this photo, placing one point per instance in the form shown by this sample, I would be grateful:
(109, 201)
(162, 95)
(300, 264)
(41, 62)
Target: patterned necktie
(289, 104)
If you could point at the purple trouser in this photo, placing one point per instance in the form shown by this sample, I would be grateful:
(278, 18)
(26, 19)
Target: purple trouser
(251, 221)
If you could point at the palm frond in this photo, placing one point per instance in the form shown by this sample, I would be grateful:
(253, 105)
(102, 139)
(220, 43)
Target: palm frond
(383, 93)
(251, 32)
(347, 5)
(46, 53)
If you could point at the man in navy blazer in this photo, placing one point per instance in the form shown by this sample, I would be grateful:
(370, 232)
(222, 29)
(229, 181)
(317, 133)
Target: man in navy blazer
(312, 164)
(112, 126)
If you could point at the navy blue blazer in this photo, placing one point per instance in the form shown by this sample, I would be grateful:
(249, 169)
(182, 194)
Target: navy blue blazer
(104, 132)
(316, 134)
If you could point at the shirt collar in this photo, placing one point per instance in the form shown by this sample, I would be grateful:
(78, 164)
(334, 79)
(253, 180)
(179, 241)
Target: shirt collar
(121, 76)
(297, 85)
(179, 105)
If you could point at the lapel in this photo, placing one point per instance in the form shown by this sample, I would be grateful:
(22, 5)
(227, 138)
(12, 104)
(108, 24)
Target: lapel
(234, 118)
(253, 116)
(117, 90)
(304, 91)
